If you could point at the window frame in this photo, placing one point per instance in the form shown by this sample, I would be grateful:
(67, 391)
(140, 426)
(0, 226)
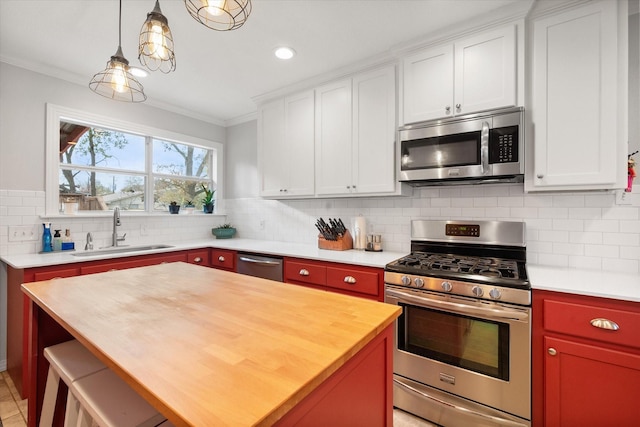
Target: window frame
(56, 113)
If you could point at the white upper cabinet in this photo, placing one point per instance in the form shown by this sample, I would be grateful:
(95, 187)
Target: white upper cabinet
(286, 146)
(473, 74)
(355, 135)
(577, 138)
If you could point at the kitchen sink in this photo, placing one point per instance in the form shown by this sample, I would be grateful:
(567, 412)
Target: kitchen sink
(120, 250)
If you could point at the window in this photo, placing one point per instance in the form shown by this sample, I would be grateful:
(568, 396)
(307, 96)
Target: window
(95, 164)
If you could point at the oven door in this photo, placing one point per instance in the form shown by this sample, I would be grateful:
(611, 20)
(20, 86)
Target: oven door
(476, 350)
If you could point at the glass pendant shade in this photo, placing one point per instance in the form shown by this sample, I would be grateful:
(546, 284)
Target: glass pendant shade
(116, 81)
(155, 50)
(220, 15)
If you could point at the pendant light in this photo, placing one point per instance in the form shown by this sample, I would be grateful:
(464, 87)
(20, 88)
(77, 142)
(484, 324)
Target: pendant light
(116, 81)
(155, 50)
(220, 15)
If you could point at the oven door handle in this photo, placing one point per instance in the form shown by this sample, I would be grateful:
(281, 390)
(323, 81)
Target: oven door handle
(501, 313)
(486, 417)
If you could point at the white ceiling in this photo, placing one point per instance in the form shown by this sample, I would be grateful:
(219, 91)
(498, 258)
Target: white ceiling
(218, 73)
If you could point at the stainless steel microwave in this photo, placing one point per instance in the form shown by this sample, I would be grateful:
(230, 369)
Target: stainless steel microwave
(475, 148)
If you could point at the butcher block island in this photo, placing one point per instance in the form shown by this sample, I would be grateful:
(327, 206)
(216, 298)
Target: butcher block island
(208, 347)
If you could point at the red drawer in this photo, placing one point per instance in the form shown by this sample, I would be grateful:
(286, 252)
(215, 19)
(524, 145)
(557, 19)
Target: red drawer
(579, 320)
(200, 257)
(302, 272)
(223, 259)
(364, 282)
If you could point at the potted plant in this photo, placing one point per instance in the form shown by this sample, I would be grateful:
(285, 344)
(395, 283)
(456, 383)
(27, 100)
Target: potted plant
(207, 200)
(174, 208)
(224, 231)
(189, 207)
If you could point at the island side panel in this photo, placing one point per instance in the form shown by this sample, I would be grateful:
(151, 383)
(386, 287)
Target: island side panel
(359, 393)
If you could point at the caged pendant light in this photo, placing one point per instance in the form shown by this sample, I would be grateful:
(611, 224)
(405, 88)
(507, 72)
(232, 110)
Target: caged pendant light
(116, 81)
(220, 15)
(155, 50)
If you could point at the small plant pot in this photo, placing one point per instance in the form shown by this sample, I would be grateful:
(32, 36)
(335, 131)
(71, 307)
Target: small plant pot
(208, 208)
(223, 233)
(174, 209)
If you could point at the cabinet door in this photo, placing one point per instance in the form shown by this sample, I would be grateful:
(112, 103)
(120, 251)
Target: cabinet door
(333, 138)
(299, 153)
(272, 148)
(485, 71)
(574, 100)
(590, 386)
(428, 84)
(374, 125)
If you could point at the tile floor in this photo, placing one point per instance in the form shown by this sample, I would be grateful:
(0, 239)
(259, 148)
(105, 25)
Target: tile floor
(13, 410)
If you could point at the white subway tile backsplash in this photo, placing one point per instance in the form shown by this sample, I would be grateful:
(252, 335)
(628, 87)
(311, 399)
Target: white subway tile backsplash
(568, 230)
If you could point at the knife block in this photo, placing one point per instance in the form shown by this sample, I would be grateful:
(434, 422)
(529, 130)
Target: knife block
(342, 244)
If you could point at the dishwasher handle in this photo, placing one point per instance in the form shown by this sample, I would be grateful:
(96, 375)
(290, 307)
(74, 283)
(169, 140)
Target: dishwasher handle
(260, 261)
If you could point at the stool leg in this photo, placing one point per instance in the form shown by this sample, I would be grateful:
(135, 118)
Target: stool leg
(50, 396)
(84, 419)
(71, 412)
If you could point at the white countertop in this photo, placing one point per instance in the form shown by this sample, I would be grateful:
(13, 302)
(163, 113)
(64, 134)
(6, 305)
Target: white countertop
(597, 283)
(299, 250)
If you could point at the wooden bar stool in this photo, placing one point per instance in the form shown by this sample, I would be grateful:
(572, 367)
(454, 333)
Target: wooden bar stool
(97, 396)
(68, 361)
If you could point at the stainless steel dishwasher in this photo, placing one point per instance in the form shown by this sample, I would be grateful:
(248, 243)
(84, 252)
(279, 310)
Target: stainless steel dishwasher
(260, 266)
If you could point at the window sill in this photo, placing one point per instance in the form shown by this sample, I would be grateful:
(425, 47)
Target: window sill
(109, 214)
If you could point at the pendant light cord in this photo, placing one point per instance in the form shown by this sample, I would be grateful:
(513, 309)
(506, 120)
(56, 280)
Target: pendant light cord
(120, 26)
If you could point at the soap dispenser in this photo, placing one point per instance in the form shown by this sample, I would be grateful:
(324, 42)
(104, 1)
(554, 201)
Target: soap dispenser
(57, 240)
(46, 238)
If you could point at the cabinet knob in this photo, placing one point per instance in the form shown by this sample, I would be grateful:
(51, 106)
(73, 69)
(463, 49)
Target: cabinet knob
(458, 106)
(350, 279)
(447, 109)
(221, 258)
(353, 186)
(197, 259)
(604, 324)
(348, 187)
(304, 272)
(540, 176)
(552, 351)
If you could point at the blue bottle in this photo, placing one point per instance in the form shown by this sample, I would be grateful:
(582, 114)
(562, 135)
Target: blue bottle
(46, 238)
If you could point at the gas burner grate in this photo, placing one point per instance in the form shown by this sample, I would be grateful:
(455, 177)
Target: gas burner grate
(425, 262)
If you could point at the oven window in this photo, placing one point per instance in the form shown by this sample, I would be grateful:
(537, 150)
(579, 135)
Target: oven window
(467, 342)
(441, 151)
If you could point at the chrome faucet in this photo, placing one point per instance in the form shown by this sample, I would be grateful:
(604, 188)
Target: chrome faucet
(89, 245)
(116, 223)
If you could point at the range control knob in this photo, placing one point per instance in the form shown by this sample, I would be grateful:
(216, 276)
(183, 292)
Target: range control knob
(446, 286)
(495, 293)
(406, 280)
(419, 282)
(477, 291)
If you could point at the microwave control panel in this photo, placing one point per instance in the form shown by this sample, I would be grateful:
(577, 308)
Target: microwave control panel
(503, 145)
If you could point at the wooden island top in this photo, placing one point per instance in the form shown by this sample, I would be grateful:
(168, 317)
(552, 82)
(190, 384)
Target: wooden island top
(208, 347)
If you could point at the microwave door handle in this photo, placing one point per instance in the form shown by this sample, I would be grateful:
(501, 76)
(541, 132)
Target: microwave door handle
(501, 313)
(484, 148)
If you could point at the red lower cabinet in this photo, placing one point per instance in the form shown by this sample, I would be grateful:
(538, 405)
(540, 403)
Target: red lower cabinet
(586, 361)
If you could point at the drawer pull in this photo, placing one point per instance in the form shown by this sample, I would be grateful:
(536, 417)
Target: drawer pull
(304, 272)
(350, 280)
(552, 351)
(604, 324)
(197, 259)
(221, 258)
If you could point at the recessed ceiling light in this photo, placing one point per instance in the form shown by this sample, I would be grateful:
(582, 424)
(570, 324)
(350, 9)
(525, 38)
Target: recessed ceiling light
(284, 53)
(138, 72)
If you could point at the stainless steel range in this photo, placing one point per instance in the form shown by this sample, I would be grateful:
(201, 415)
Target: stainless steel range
(463, 342)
